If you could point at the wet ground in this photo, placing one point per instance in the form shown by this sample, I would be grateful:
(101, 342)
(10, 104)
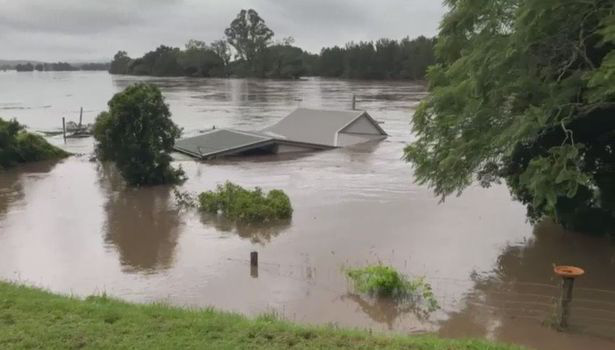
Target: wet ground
(73, 227)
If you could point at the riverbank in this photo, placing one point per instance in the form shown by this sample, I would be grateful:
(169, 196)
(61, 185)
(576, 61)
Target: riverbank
(33, 318)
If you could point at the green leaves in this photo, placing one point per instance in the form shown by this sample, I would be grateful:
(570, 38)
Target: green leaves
(20, 146)
(385, 282)
(518, 94)
(245, 206)
(137, 133)
(555, 175)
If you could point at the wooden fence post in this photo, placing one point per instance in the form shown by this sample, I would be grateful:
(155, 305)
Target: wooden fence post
(568, 274)
(254, 264)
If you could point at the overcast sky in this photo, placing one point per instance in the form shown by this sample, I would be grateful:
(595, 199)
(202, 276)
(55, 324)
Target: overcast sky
(52, 30)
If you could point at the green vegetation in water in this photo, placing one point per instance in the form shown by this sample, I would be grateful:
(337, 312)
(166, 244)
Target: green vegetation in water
(524, 92)
(34, 319)
(246, 206)
(19, 146)
(138, 135)
(257, 55)
(385, 282)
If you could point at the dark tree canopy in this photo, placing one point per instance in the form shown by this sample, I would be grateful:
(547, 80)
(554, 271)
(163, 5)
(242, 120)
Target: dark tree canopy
(137, 133)
(248, 34)
(524, 91)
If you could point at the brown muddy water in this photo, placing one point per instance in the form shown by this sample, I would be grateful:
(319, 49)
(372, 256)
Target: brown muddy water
(74, 228)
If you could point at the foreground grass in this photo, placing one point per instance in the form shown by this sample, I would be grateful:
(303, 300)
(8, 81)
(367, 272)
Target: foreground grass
(32, 318)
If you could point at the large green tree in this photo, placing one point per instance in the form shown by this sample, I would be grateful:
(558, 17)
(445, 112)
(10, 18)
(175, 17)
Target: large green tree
(137, 133)
(524, 91)
(248, 34)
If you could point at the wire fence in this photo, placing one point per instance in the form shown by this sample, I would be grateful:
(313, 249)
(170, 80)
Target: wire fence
(592, 309)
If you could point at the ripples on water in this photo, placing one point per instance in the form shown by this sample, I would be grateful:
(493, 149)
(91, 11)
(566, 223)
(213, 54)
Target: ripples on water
(73, 226)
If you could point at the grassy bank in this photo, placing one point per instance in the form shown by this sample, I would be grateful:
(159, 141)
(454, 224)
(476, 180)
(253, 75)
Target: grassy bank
(32, 318)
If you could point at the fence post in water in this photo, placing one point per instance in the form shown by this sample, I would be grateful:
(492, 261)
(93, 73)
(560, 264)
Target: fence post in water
(254, 264)
(354, 102)
(80, 117)
(568, 274)
(64, 128)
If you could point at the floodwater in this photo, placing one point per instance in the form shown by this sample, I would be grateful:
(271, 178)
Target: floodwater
(73, 227)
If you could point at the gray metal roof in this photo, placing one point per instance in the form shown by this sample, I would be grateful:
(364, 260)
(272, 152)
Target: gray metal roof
(312, 125)
(310, 128)
(218, 141)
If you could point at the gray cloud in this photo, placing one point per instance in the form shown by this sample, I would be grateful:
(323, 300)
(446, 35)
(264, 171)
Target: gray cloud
(94, 29)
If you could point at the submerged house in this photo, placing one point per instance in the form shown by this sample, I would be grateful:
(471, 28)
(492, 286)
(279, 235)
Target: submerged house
(301, 131)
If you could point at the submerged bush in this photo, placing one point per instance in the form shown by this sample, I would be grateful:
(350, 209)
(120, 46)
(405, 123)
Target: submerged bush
(243, 205)
(19, 146)
(385, 282)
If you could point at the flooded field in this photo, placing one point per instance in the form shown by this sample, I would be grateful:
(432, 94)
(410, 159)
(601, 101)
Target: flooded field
(74, 228)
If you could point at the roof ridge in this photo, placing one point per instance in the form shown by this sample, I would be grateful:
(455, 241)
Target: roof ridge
(358, 111)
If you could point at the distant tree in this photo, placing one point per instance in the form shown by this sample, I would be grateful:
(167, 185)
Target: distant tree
(39, 67)
(284, 61)
(28, 67)
(193, 44)
(121, 63)
(95, 66)
(201, 61)
(248, 34)
(310, 63)
(162, 62)
(222, 49)
(137, 133)
(59, 67)
(287, 41)
(332, 62)
(524, 93)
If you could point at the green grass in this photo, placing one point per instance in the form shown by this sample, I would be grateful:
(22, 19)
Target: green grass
(246, 206)
(385, 282)
(31, 318)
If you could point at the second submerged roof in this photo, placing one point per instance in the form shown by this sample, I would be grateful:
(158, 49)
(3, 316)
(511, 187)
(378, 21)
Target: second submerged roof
(312, 125)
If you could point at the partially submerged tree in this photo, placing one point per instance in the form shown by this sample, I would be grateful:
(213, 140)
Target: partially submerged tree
(19, 146)
(248, 34)
(137, 133)
(524, 92)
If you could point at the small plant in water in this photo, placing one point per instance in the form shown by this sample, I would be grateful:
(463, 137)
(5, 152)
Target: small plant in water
(239, 204)
(243, 205)
(385, 282)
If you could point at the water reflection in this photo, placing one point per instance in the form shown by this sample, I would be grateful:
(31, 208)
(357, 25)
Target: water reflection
(383, 311)
(517, 301)
(11, 182)
(142, 224)
(256, 233)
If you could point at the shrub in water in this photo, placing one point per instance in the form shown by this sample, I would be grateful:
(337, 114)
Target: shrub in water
(138, 134)
(20, 146)
(385, 281)
(243, 205)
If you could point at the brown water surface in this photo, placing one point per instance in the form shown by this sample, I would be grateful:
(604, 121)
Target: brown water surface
(73, 227)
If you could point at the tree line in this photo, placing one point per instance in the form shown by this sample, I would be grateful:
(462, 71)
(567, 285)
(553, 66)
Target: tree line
(248, 50)
(60, 66)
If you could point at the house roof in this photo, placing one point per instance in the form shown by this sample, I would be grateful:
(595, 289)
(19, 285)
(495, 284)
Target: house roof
(312, 125)
(218, 141)
(307, 128)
